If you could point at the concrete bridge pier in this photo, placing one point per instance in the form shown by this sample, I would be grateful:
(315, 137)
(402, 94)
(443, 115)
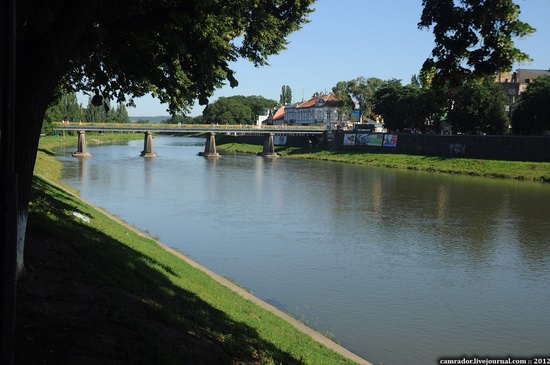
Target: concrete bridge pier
(148, 146)
(269, 147)
(210, 146)
(81, 146)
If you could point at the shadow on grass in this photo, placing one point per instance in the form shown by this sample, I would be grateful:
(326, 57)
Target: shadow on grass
(87, 298)
(47, 151)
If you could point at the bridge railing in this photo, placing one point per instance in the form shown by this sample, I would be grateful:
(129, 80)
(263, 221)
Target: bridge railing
(206, 127)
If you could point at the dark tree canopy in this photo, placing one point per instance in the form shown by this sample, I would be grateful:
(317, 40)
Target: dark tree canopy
(473, 38)
(180, 50)
(533, 112)
(479, 107)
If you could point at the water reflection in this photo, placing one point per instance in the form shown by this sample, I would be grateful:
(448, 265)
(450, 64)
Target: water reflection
(81, 165)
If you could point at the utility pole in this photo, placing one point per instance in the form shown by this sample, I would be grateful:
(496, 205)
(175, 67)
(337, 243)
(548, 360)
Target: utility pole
(8, 182)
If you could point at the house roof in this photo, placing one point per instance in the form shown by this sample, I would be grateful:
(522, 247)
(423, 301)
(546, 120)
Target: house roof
(279, 114)
(528, 74)
(328, 99)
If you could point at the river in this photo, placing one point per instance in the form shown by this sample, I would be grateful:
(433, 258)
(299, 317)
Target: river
(400, 267)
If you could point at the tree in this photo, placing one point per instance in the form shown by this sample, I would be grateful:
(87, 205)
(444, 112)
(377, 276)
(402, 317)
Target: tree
(533, 112)
(229, 110)
(120, 114)
(64, 108)
(260, 105)
(342, 93)
(237, 109)
(178, 119)
(473, 39)
(407, 107)
(178, 50)
(286, 95)
(358, 94)
(479, 107)
(386, 103)
(97, 113)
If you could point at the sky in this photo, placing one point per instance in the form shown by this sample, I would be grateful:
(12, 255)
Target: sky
(346, 39)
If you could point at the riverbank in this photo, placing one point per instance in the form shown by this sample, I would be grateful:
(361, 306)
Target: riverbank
(98, 291)
(532, 171)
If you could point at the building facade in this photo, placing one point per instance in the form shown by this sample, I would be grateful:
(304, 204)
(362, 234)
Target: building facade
(515, 83)
(319, 110)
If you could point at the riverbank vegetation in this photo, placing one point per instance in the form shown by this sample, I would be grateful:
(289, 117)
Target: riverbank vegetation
(534, 171)
(97, 291)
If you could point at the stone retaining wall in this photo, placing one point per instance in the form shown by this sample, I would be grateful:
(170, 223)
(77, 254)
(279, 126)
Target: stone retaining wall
(513, 148)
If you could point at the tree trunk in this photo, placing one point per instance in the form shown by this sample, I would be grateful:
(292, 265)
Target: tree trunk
(33, 94)
(43, 58)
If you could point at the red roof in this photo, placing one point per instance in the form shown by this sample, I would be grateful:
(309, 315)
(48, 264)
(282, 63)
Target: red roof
(329, 99)
(279, 114)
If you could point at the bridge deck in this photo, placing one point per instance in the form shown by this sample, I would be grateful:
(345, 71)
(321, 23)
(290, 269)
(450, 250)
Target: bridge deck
(191, 129)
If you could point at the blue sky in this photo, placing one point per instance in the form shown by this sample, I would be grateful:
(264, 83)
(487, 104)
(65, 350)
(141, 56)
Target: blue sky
(350, 38)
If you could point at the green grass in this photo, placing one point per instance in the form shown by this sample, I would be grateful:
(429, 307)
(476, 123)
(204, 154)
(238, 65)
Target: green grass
(130, 300)
(169, 290)
(534, 171)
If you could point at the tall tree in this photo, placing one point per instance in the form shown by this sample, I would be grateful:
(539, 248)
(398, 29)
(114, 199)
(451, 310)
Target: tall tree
(286, 95)
(479, 107)
(358, 94)
(407, 107)
(64, 108)
(473, 38)
(533, 112)
(120, 114)
(387, 104)
(181, 51)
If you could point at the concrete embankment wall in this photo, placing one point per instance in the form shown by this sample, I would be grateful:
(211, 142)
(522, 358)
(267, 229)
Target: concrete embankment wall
(512, 148)
(291, 141)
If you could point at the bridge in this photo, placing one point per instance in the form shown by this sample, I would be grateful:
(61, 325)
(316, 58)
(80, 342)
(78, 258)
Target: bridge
(209, 129)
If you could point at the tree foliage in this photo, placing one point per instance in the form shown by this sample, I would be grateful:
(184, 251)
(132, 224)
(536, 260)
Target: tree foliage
(237, 109)
(358, 94)
(64, 108)
(479, 107)
(180, 50)
(405, 107)
(473, 39)
(533, 113)
(104, 113)
(286, 95)
(179, 119)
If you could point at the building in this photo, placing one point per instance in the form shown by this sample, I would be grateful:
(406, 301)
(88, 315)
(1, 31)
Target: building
(319, 110)
(516, 82)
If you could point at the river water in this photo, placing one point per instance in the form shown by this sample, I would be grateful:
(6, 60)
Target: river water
(400, 267)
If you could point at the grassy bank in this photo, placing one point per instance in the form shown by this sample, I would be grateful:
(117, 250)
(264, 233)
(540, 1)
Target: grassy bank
(97, 291)
(50, 168)
(534, 171)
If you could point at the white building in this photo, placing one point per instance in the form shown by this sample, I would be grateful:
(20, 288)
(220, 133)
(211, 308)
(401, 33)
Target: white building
(319, 110)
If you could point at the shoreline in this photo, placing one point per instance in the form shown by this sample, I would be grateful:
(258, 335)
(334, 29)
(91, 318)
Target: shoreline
(270, 340)
(317, 336)
(538, 172)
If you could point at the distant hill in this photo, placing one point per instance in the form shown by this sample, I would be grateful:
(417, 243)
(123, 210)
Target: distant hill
(150, 119)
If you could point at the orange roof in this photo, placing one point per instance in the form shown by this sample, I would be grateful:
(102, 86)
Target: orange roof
(329, 99)
(279, 114)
